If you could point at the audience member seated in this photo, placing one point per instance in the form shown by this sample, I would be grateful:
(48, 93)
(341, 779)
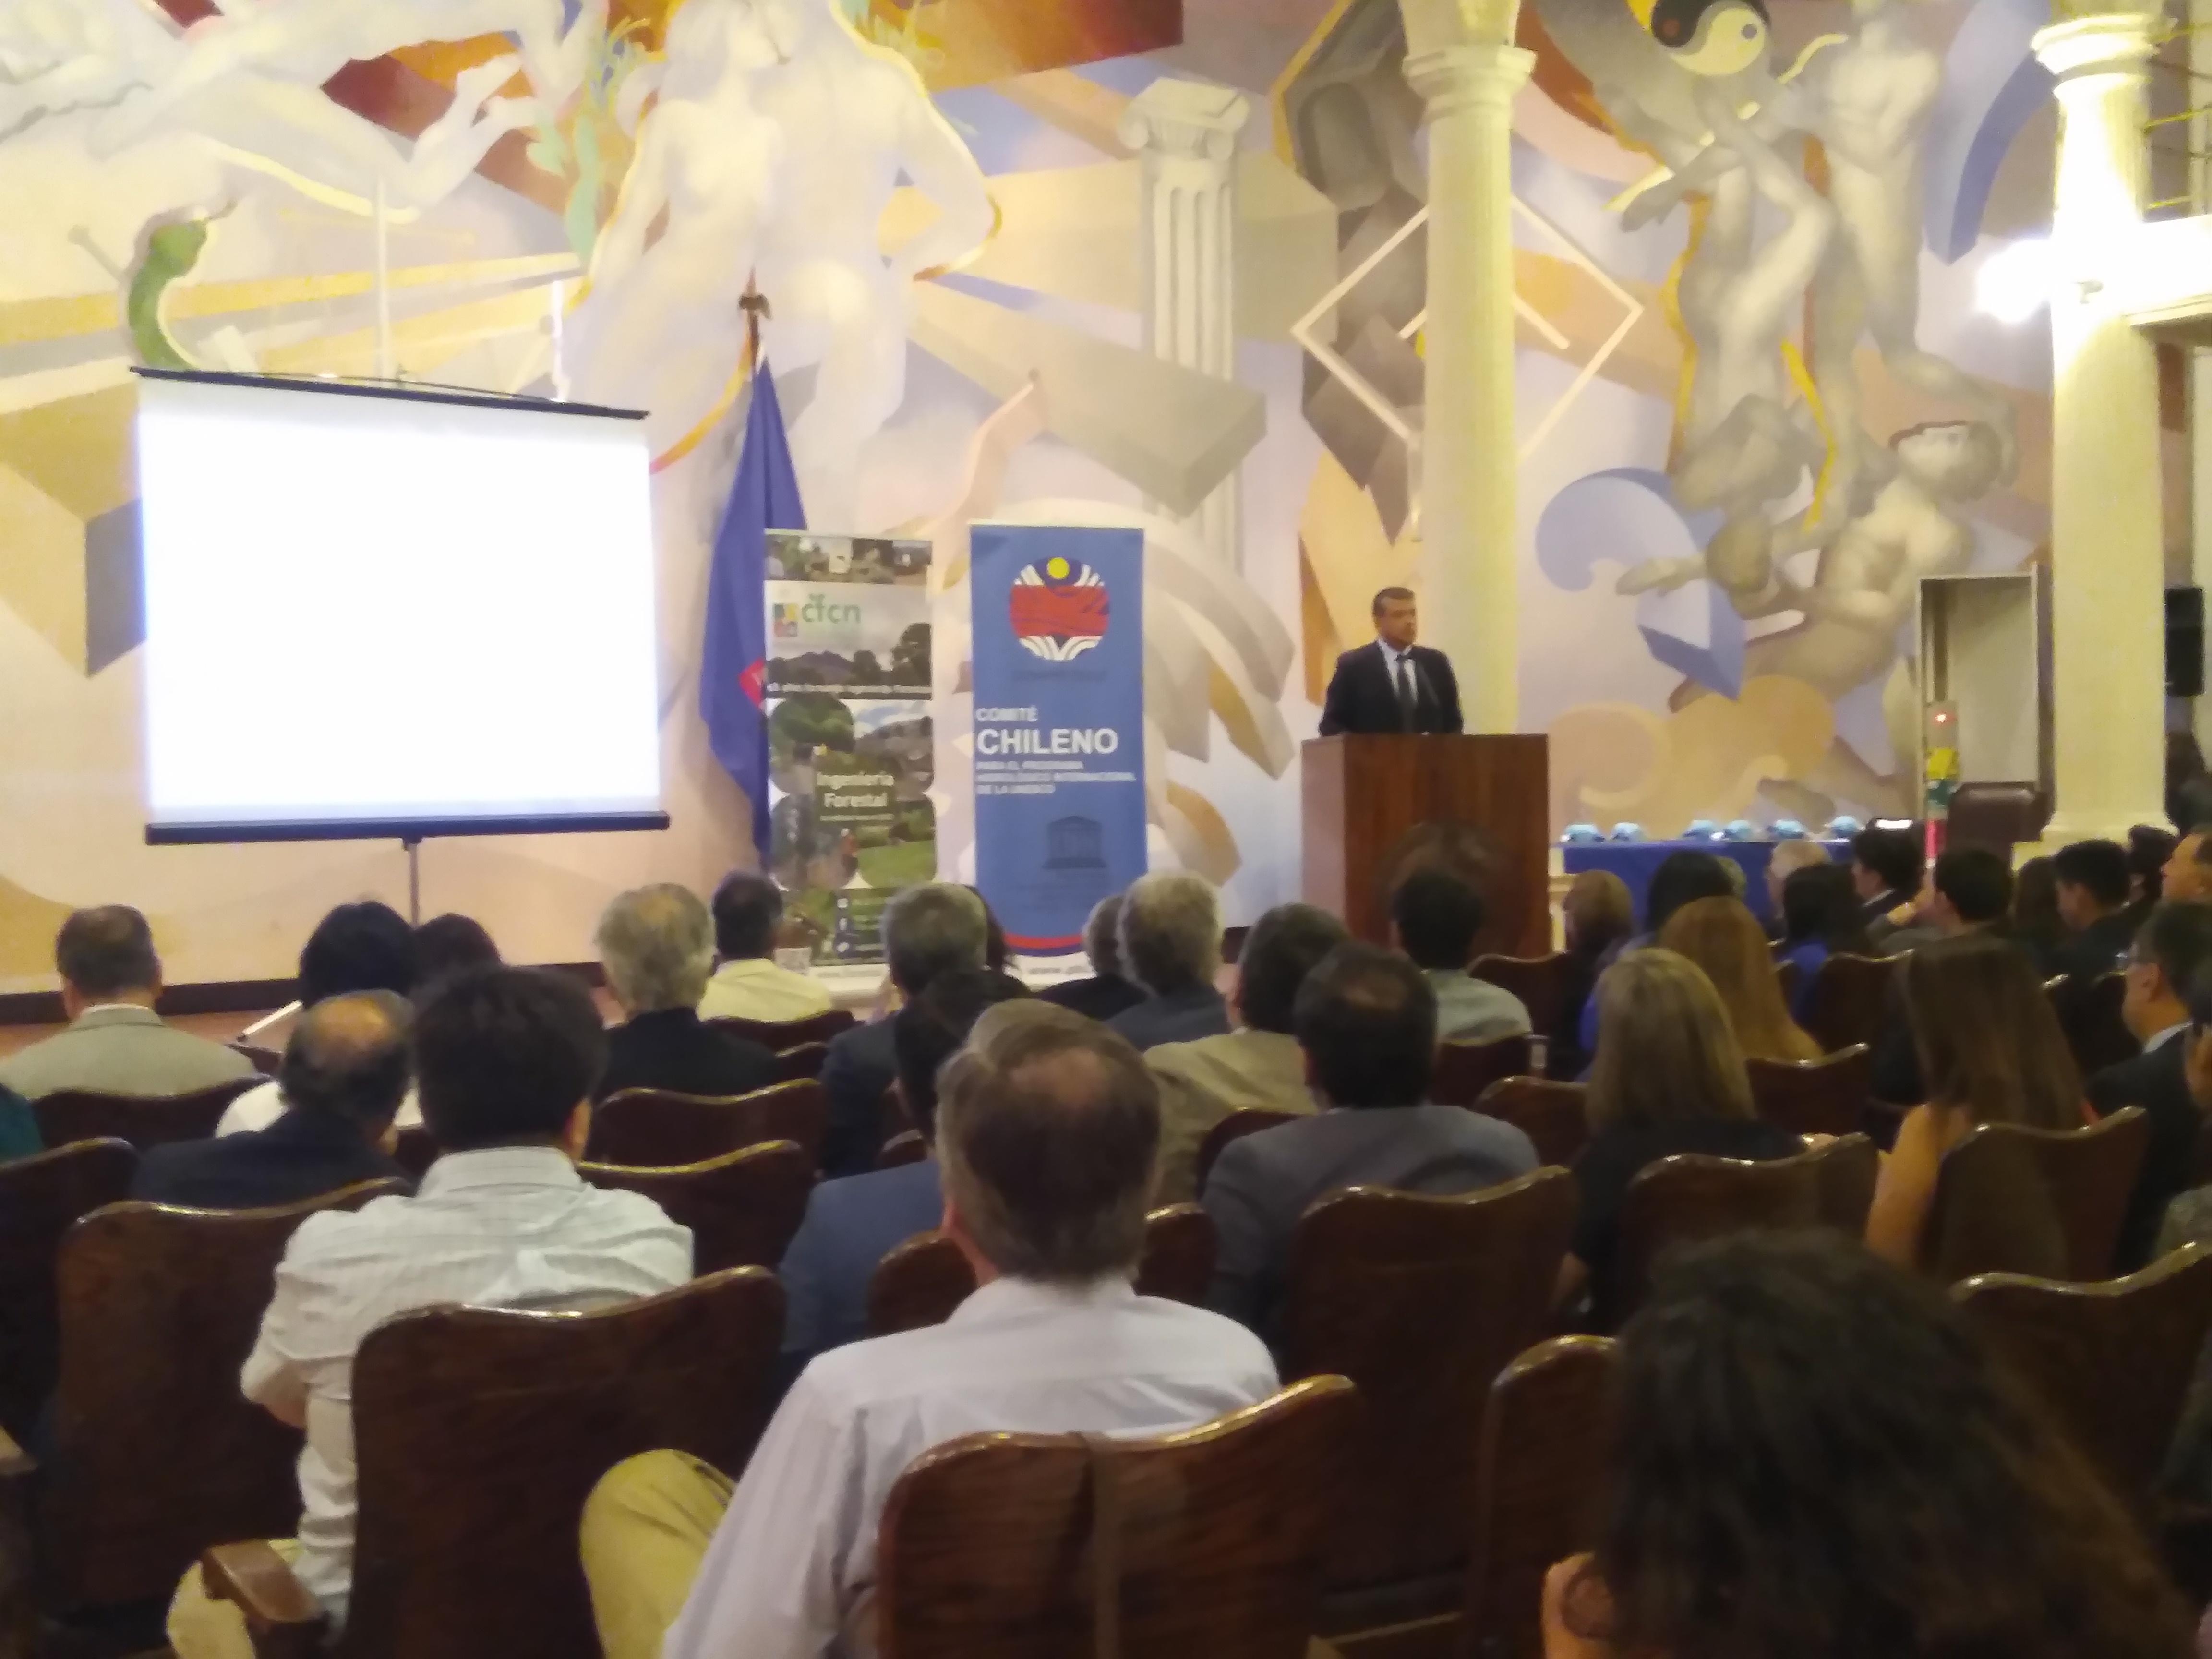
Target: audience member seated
(1725, 942)
(935, 928)
(2151, 849)
(1990, 1051)
(657, 944)
(1681, 879)
(2174, 946)
(1597, 915)
(367, 946)
(1256, 1067)
(508, 1059)
(1170, 931)
(1789, 857)
(1887, 866)
(1820, 913)
(2188, 1218)
(19, 1127)
(1814, 1458)
(1366, 1020)
(1435, 915)
(2093, 902)
(115, 1042)
(448, 945)
(1106, 991)
(345, 1071)
(2036, 924)
(996, 956)
(1048, 1127)
(2187, 873)
(1970, 892)
(853, 1223)
(1669, 1078)
(748, 984)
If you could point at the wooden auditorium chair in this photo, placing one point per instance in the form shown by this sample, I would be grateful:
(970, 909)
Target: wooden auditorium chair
(1555, 1116)
(1851, 1000)
(1235, 1127)
(659, 1129)
(2045, 1202)
(42, 1197)
(777, 1034)
(144, 1121)
(1421, 1301)
(905, 1147)
(742, 1208)
(2088, 1012)
(1540, 982)
(1464, 1070)
(804, 1062)
(1205, 1544)
(1824, 1097)
(479, 1433)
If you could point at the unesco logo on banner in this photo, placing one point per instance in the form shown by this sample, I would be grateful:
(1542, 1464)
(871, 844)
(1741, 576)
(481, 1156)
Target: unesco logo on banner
(1058, 608)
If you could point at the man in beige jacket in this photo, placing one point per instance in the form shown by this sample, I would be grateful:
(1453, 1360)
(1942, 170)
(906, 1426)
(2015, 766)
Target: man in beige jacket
(1258, 1066)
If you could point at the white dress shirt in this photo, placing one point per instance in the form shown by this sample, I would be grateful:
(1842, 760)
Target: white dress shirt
(753, 988)
(790, 1572)
(511, 1226)
(262, 1104)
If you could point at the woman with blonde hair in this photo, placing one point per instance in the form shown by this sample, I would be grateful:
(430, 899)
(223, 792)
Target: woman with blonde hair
(1599, 915)
(1990, 1051)
(1669, 1077)
(1725, 939)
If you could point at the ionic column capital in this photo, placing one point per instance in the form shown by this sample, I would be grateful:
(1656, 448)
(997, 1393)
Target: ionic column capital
(1185, 119)
(1479, 75)
(2120, 41)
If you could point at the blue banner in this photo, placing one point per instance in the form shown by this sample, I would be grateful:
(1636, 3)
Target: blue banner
(1059, 725)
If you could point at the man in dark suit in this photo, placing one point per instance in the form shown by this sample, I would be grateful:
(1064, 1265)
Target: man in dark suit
(2093, 902)
(345, 1071)
(1886, 865)
(1366, 1021)
(2165, 956)
(1394, 685)
(657, 945)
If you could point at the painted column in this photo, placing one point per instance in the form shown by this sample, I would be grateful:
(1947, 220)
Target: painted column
(1470, 540)
(2108, 571)
(1185, 135)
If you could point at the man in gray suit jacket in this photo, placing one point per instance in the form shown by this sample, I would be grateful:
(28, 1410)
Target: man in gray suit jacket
(1366, 1021)
(116, 1042)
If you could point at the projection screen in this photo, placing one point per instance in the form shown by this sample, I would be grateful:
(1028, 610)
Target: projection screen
(384, 611)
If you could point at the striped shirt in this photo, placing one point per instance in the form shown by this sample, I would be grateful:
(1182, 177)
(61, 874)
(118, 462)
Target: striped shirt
(512, 1227)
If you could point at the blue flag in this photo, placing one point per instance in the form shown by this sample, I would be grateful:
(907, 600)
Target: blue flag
(733, 665)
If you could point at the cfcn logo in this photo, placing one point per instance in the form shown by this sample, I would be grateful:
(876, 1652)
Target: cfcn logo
(1058, 608)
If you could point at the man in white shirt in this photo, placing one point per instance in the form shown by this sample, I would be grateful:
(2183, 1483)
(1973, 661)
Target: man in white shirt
(115, 1042)
(1047, 1128)
(506, 1058)
(1437, 916)
(748, 984)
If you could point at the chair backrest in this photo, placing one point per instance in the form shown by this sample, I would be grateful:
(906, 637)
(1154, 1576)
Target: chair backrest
(1824, 1097)
(267, 1061)
(918, 1284)
(924, 1279)
(1555, 1116)
(144, 1121)
(778, 1034)
(802, 1061)
(658, 1129)
(1540, 982)
(1787, 976)
(905, 1147)
(1422, 1301)
(1203, 1543)
(1690, 1197)
(2113, 1361)
(41, 1197)
(159, 1455)
(480, 1432)
(2049, 1202)
(742, 1208)
(2089, 1013)
(1179, 1250)
(1464, 1070)
(1539, 1487)
(1850, 998)
(1235, 1127)
(414, 1151)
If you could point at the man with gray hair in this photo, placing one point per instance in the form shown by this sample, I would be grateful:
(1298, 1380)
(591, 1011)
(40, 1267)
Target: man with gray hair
(928, 930)
(345, 1071)
(1171, 946)
(1107, 991)
(657, 944)
(1048, 1128)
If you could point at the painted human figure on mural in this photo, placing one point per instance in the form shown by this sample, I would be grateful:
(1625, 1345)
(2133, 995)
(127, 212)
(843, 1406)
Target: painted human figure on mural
(660, 328)
(58, 55)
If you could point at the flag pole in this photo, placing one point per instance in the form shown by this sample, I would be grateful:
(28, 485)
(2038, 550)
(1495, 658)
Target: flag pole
(753, 304)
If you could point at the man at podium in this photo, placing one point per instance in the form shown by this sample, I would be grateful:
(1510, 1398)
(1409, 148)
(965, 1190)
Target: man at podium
(1394, 685)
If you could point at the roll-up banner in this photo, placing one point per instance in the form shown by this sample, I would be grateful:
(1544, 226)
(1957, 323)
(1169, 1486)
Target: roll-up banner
(1059, 725)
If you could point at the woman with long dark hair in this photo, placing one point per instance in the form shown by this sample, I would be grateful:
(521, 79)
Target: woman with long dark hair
(1812, 1458)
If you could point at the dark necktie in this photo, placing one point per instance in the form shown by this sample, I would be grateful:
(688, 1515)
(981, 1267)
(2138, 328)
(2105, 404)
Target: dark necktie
(1408, 702)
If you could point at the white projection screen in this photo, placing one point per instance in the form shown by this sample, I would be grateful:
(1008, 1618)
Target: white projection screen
(386, 611)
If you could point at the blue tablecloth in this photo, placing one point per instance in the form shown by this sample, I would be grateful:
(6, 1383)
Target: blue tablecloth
(1636, 862)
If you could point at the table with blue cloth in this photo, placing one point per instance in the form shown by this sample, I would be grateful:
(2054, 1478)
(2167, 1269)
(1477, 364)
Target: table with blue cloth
(1636, 861)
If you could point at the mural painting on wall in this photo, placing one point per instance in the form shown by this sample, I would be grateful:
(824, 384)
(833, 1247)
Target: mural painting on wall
(1128, 263)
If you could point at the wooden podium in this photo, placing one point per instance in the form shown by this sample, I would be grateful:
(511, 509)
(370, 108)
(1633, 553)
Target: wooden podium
(1364, 795)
